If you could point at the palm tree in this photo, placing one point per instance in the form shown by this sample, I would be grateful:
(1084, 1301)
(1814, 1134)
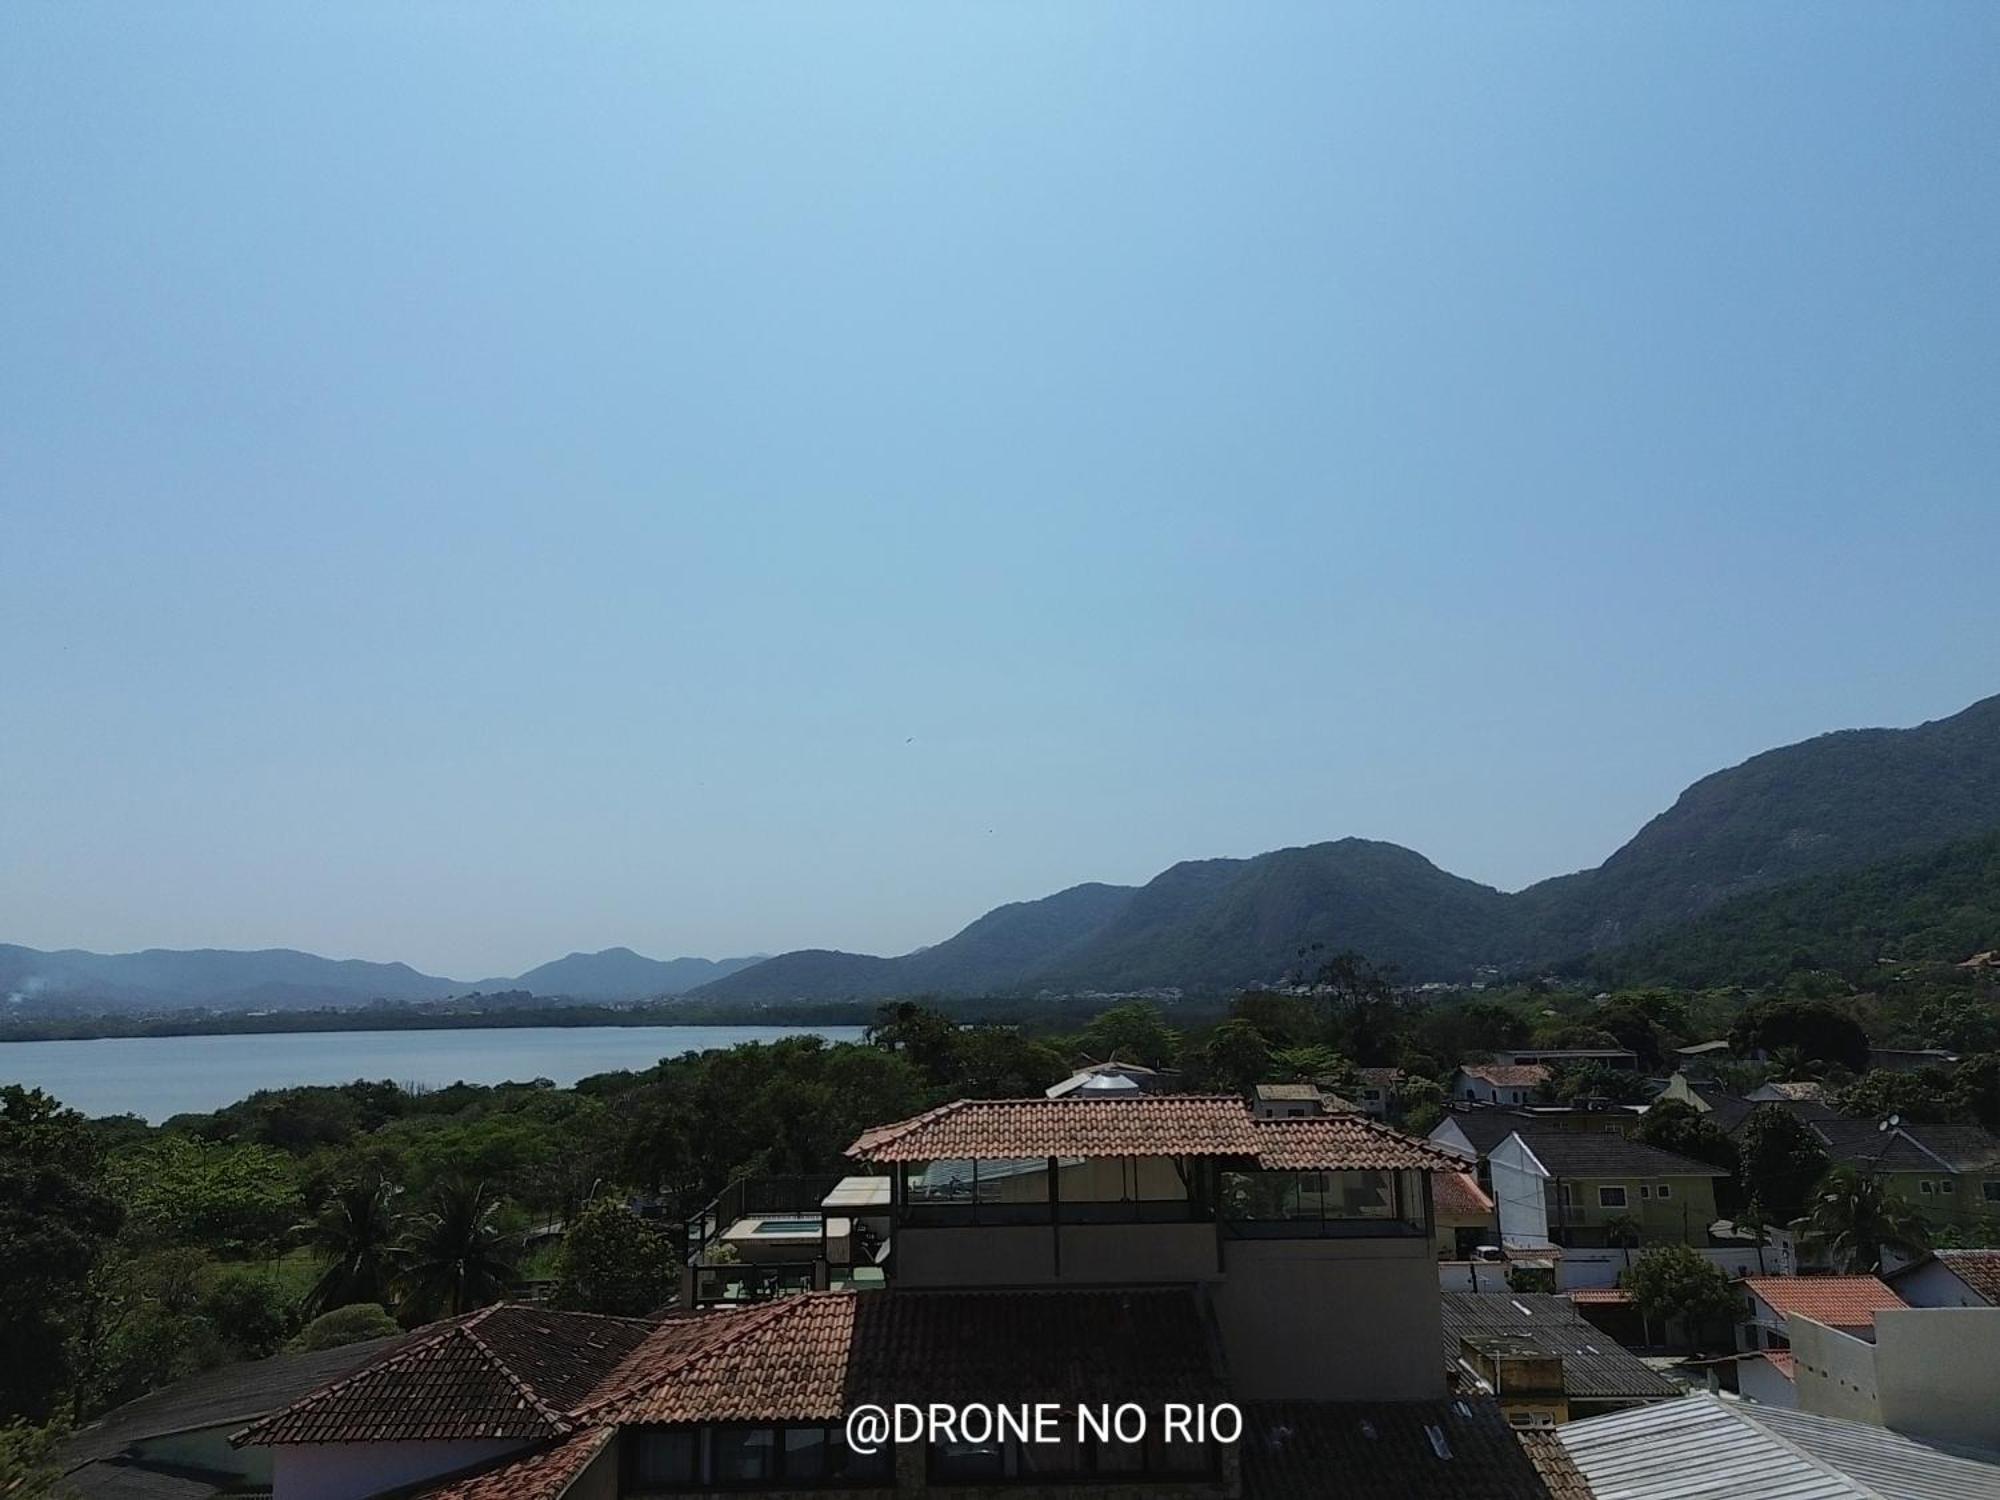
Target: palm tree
(1625, 1231)
(355, 1237)
(455, 1255)
(1857, 1218)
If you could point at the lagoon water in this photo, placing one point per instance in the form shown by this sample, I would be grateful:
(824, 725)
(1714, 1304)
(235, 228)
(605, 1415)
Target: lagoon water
(161, 1076)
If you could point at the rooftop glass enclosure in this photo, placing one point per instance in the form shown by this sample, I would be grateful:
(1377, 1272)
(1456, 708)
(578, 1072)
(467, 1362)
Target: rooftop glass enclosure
(1160, 1189)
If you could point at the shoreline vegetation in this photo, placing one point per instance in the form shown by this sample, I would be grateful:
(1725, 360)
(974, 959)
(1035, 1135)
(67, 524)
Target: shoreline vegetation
(511, 1013)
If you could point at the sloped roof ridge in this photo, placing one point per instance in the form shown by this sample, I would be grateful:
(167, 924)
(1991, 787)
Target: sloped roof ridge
(559, 1420)
(395, 1361)
(748, 1323)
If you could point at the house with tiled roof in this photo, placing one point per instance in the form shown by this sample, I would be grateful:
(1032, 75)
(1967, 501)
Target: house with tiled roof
(1847, 1303)
(1497, 1083)
(1463, 1213)
(1584, 1190)
(1949, 1173)
(1594, 1373)
(1150, 1249)
(1949, 1278)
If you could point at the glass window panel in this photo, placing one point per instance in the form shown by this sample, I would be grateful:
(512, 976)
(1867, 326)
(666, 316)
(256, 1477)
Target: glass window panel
(858, 1468)
(805, 1452)
(1023, 1181)
(744, 1453)
(667, 1458)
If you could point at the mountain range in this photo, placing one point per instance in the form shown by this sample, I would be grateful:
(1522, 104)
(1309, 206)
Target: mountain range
(1781, 820)
(283, 978)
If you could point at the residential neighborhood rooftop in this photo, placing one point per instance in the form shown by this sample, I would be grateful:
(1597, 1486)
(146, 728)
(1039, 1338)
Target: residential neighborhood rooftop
(1707, 1448)
(1595, 1366)
(1507, 1075)
(1146, 1125)
(1837, 1301)
(1978, 1269)
(1599, 1153)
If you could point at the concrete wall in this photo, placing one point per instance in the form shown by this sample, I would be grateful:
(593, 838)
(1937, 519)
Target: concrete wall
(1932, 1372)
(1331, 1320)
(349, 1471)
(1934, 1285)
(1520, 1193)
(1760, 1380)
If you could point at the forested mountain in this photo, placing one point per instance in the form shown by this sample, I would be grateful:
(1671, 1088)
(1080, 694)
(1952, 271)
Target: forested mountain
(1202, 924)
(1937, 906)
(1836, 803)
(1827, 807)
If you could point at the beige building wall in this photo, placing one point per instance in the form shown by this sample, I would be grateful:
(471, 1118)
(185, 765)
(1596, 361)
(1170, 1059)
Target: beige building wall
(1932, 1372)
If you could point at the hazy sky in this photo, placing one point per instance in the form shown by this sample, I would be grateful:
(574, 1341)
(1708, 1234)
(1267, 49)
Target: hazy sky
(483, 481)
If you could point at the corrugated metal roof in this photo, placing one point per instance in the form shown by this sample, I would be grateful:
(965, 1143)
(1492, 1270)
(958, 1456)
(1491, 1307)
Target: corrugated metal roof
(1698, 1448)
(1898, 1467)
(1595, 1365)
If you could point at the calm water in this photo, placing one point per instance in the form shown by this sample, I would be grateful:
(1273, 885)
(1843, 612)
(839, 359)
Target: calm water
(169, 1075)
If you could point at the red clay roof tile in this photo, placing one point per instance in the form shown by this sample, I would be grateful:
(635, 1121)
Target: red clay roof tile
(1837, 1301)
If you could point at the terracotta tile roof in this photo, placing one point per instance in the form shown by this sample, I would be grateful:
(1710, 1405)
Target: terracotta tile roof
(1351, 1143)
(1557, 1470)
(1136, 1125)
(1978, 1269)
(1146, 1125)
(1507, 1075)
(502, 1372)
(809, 1357)
(1305, 1091)
(1599, 1296)
(1837, 1301)
(542, 1475)
(1460, 1195)
(1782, 1361)
(1459, 1449)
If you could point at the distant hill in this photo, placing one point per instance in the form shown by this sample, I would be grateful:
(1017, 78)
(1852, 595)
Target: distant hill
(618, 974)
(1836, 802)
(1204, 924)
(268, 978)
(1939, 906)
(1828, 806)
(285, 979)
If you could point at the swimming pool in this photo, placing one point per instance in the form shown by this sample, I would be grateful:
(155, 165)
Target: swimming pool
(786, 1226)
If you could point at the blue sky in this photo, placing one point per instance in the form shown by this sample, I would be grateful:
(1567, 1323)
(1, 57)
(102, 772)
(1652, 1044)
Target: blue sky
(478, 482)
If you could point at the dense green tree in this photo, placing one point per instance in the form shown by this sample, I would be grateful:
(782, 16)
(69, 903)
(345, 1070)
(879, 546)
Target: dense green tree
(29, 1462)
(1423, 1104)
(347, 1325)
(1675, 1282)
(56, 1226)
(1780, 1160)
(1677, 1126)
(1234, 1057)
(1282, 1020)
(1924, 1098)
(250, 1312)
(456, 1254)
(181, 1191)
(1822, 1030)
(927, 1038)
(613, 1261)
(1132, 1033)
(1855, 1216)
(998, 1062)
(355, 1238)
(1576, 1081)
